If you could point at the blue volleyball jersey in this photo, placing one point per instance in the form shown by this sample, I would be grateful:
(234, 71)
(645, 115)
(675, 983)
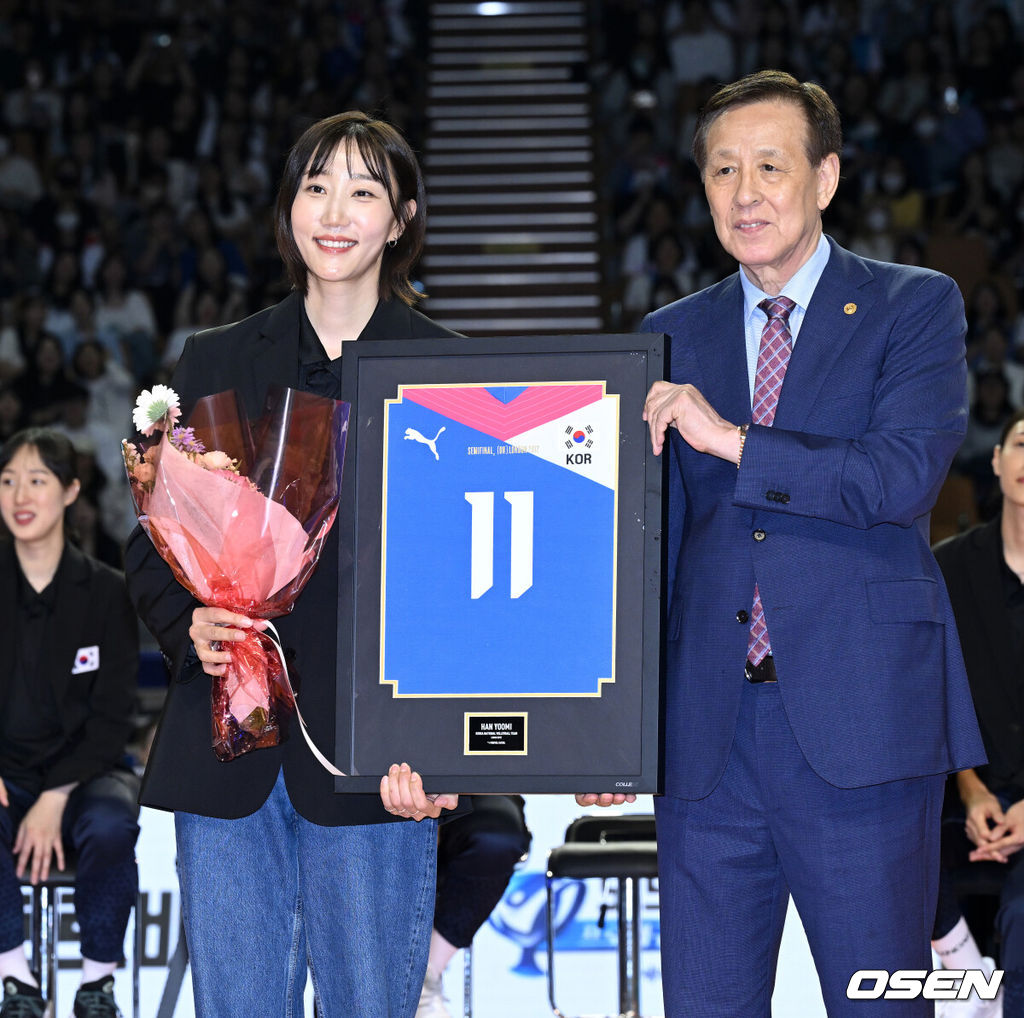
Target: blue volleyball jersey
(499, 540)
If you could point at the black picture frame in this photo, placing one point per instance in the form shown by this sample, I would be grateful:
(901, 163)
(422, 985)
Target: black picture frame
(537, 721)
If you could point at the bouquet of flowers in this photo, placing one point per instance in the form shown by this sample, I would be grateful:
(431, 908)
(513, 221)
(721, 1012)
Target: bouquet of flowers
(240, 512)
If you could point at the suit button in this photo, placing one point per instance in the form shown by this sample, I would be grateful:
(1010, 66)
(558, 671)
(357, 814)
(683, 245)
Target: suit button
(759, 534)
(742, 616)
(784, 499)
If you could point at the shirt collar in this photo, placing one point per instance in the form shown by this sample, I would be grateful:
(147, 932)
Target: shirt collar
(311, 350)
(799, 289)
(43, 601)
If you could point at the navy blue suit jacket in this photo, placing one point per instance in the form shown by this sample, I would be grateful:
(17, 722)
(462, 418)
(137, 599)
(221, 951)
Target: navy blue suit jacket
(838, 492)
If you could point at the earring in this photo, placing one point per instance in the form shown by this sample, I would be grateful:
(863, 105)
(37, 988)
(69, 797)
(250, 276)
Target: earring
(393, 242)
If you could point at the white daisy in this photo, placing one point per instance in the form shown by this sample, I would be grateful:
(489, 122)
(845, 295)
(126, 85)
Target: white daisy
(156, 407)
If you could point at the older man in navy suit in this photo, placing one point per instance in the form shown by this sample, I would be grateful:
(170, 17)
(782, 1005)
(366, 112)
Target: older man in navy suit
(816, 695)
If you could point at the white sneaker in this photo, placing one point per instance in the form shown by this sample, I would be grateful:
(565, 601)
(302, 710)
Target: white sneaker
(432, 1001)
(973, 1007)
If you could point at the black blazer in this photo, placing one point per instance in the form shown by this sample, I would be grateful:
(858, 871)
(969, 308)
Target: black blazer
(183, 773)
(972, 564)
(96, 705)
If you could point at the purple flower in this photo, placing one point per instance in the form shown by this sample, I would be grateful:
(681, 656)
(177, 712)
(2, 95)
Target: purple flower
(184, 440)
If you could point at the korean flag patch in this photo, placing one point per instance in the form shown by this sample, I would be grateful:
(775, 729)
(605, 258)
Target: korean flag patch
(87, 659)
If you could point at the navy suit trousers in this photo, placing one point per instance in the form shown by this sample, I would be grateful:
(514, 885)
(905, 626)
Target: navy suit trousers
(860, 864)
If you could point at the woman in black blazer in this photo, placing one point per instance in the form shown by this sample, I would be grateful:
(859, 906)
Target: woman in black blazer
(68, 672)
(277, 870)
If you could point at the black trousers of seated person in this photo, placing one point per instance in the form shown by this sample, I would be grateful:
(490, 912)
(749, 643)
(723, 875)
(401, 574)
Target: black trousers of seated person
(99, 830)
(1009, 922)
(476, 855)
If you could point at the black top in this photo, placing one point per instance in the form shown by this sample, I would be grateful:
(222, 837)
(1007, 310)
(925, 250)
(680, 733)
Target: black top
(30, 732)
(1013, 594)
(988, 603)
(183, 773)
(317, 373)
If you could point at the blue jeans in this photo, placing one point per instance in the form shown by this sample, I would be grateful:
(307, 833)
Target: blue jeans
(267, 895)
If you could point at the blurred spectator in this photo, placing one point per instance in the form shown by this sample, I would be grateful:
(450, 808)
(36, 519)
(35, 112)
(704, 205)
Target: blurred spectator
(211, 278)
(697, 46)
(974, 206)
(943, 36)
(910, 250)
(993, 356)
(21, 184)
(990, 410)
(985, 307)
(771, 37)
(96, 415)
(1004, 158)
(20, 258)
(63, 281)
(35, 104)
(640, 167)
(125, 320)
(905, 204)
(651, 214)
(643, 82)
(153, 246)
(43, 387)
(198, 234)
(63, 219)
(874, 237)
(112, 391)
(980, 72)
(910, 86)
(156, 159)
(224, 206)
(18, 340)
(157, 74)
(12, 417)
(205, 313)
(86, 514)
(668, 276)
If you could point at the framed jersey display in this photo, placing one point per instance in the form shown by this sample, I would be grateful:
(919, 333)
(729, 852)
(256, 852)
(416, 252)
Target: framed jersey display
(504, 626)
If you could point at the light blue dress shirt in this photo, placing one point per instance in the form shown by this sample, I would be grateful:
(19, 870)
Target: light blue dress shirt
(799, 289)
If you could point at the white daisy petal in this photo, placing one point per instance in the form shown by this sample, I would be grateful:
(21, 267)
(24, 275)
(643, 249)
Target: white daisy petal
(153, 406)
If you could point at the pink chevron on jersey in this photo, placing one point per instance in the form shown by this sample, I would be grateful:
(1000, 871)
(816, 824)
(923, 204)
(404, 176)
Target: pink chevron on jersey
(475, 407)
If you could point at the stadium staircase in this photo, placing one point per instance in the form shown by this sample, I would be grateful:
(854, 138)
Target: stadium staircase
(513, 233)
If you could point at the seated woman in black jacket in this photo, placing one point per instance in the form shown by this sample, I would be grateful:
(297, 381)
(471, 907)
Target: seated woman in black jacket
(68, 673)
(984, 571)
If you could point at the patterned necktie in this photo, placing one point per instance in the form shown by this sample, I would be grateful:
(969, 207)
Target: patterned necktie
(772, 361)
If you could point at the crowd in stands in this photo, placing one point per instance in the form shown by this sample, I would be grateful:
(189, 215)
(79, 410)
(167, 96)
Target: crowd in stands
(140, 148)
(932, 101)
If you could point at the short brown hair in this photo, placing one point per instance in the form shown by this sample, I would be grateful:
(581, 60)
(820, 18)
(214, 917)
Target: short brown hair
(824, 128)
(390, 160)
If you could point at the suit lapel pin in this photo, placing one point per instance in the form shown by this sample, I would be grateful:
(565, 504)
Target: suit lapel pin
(850, 309)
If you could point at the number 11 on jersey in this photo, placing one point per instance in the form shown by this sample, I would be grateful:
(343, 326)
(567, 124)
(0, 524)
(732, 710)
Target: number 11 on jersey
(482, 542)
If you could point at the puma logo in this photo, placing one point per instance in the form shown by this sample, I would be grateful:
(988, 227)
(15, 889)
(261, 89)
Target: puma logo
(411, 434)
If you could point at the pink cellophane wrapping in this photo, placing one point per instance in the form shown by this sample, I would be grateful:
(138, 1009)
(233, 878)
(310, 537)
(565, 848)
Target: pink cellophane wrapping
(248, 542)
